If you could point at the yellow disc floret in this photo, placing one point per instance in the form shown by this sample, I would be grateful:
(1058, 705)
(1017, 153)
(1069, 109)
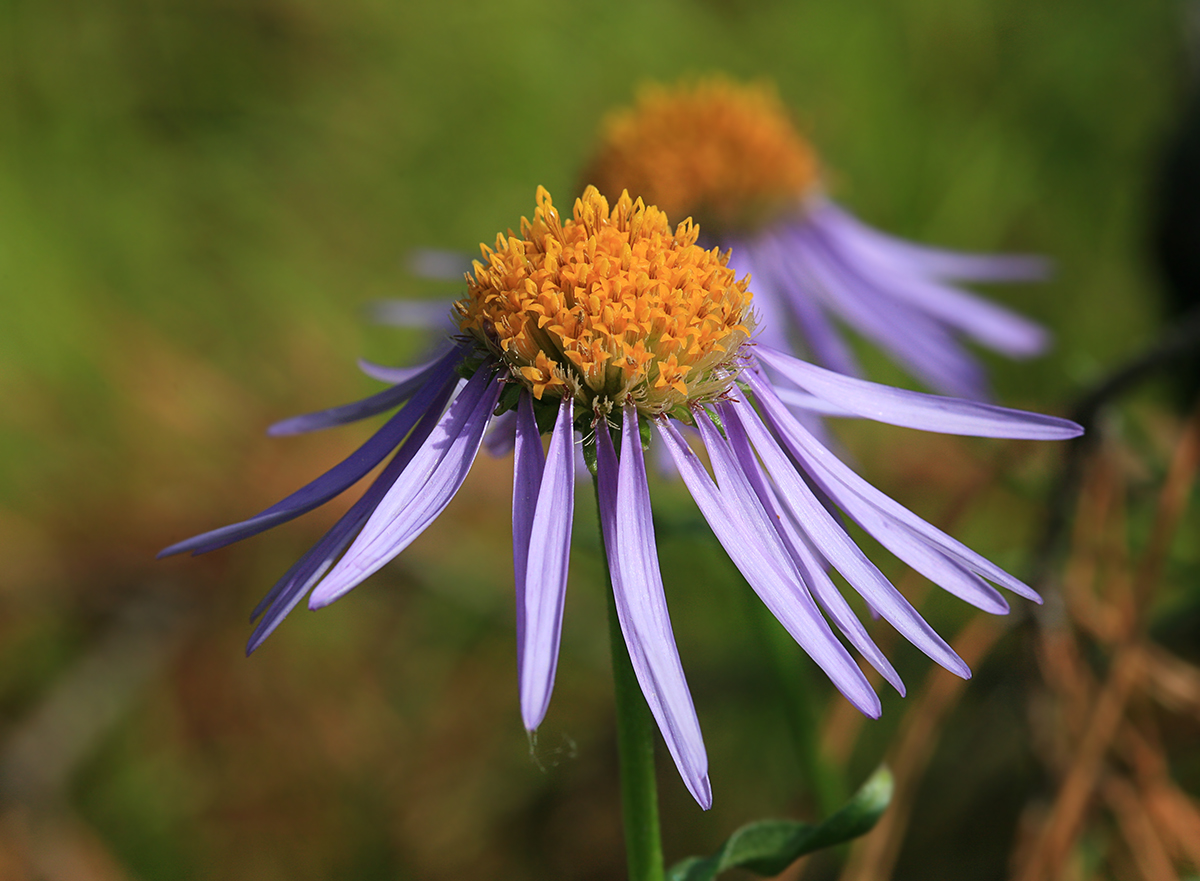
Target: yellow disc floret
(723, 153)
(611, 306)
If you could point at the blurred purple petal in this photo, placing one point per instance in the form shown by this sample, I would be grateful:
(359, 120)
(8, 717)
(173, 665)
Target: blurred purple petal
(422, 492)
(931, 261)
(549, 549)
(992, 325)
(915, 409)
(501, 435)
(641, 605)
(417, 314)
(402, 374)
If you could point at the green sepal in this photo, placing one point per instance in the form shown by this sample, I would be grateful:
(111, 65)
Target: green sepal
(767, 847)
(589, 454)
(510, 395)
(645, 431)
(715, 418)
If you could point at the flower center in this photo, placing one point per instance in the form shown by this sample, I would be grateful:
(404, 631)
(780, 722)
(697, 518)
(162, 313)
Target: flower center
(610, 306)
(726, 154)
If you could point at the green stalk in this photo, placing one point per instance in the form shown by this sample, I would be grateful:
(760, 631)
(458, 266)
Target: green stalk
(635, 751)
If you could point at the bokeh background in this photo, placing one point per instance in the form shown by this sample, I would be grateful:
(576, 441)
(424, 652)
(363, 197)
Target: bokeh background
(198, 198)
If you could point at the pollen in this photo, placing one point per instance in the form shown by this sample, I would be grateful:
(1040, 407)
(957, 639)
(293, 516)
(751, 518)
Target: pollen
(723, 153)
(609, 306)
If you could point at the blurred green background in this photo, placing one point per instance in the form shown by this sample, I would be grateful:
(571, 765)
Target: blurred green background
(197, 199)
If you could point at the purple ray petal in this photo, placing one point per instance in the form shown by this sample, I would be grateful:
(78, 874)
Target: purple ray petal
(403, 374)
(641, 605)
(417, 314)
(769, 326)
(528, 464)
(992, 325)
(938, 262)
(549, 549)
(431, 396)
(813, 404)
(915, 409)
(501, 435)
(843, 484)
(297, 581)
(811, 569)
(742, 527)
(377, 403)
(421, 493)
(838, 548)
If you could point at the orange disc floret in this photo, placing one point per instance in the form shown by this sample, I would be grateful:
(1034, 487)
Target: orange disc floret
(726, 154)
(612, 305)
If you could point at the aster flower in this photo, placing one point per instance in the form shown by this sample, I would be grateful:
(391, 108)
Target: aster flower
(729, 156)
(612, 330)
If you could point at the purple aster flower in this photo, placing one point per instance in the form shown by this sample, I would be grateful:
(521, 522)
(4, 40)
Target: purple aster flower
(729, 156)
(611, 331)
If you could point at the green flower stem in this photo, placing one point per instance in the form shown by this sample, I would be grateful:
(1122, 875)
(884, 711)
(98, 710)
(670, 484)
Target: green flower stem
(635, 751)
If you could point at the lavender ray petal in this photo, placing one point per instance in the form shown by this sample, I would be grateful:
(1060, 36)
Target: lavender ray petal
(741, 525)
(641, 604)
(293, 586)
(545, 576)
(377, 403)
(417, 314)
(938, 262)
(422, 492)
(989, 323)
(501, 435)
(528, 464)
(837, 547)
(813, 404)
(916, 409)
(394, 375)
(841, 482)
(811, 569)
(333, 482)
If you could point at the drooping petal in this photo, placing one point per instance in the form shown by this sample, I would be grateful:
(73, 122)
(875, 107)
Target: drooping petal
(804, 557)
(641, 605)
(548, 545)
(422, 492)
(501, 435)
(528, 463)
(430, 397)
(377, 403)
(741, 525)
(838, 548)
(852, 492)
(915, 409)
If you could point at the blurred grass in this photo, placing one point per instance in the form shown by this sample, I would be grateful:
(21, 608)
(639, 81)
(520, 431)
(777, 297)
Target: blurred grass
(197, 199)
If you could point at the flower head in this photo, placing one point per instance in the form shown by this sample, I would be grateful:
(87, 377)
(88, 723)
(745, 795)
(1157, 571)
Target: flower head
(613, 330)
(612, 305)
(730, 156)
(725, 154)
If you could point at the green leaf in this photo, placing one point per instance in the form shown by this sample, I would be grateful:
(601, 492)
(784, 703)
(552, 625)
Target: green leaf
(767, 847)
